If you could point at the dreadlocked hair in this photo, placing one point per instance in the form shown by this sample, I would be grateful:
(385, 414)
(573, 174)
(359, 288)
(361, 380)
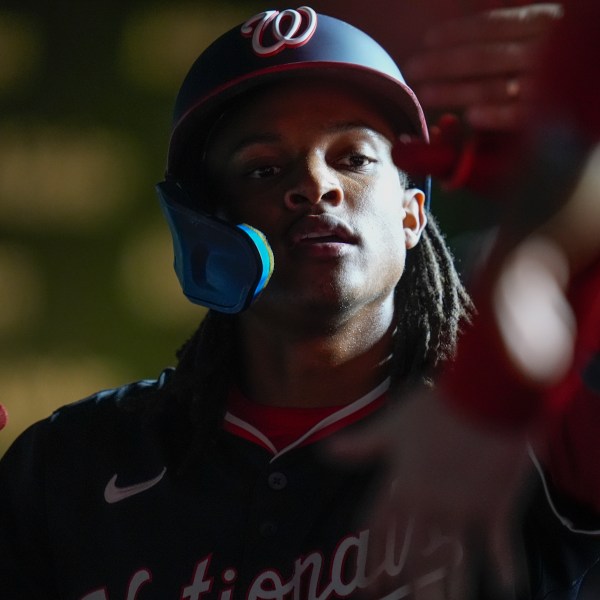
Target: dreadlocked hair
(431, 303)
(192, 405)
(431, 306)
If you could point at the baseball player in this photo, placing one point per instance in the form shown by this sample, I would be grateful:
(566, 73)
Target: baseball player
(330, 289)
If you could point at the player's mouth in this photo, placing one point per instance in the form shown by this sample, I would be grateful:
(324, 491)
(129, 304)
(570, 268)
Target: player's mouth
(321, 235)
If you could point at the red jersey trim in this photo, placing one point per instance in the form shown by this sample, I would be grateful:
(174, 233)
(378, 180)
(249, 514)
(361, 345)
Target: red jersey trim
(337, 420)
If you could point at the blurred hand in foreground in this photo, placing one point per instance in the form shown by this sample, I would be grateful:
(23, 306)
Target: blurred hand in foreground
(482, 65)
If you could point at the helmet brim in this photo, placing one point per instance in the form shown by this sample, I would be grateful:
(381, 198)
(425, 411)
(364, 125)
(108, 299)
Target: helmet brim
(397, 101)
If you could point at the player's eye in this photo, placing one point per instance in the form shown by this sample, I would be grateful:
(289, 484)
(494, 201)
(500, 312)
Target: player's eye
(263, 172)
(356, 161)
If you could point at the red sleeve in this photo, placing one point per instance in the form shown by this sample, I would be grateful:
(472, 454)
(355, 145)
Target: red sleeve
(573, 455)
(483, 385)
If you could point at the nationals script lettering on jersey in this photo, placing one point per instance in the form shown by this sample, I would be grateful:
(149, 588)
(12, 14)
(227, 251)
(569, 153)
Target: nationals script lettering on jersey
(313, 577)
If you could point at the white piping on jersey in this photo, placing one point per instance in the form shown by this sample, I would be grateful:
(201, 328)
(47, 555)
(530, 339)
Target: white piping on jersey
(251, 429)
(337, 416)
(564, 520)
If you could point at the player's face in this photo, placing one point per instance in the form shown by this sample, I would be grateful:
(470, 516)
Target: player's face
(310, 166)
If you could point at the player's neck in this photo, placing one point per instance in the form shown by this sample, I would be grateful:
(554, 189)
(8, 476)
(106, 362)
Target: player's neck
(334, 367)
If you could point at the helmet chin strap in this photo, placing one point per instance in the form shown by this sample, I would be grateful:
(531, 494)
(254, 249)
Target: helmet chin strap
(219, 265)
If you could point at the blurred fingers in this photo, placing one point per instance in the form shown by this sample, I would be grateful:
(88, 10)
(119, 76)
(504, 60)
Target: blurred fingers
(503, 24)
(461, 93)
(483, 60)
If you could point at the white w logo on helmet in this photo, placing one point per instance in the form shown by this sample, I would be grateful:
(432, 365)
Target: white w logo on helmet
(288, 29)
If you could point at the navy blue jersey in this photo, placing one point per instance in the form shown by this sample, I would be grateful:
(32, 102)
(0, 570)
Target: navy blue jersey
(89, 510)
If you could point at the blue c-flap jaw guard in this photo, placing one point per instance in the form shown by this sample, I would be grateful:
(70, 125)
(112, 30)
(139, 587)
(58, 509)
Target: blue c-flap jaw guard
(219, 265)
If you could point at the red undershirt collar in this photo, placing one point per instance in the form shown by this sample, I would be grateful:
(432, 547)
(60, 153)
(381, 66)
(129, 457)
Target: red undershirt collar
(280, 429)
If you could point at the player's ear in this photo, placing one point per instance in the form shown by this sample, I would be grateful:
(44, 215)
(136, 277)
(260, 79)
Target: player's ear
(415, 217)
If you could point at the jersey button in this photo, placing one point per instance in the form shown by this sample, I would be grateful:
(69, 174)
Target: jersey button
(277, 481)
(267, 529)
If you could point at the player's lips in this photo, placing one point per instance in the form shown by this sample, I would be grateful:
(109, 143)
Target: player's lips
(312, 230)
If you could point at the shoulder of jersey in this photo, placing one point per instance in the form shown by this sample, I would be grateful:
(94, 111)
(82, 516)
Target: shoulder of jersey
(121, 399)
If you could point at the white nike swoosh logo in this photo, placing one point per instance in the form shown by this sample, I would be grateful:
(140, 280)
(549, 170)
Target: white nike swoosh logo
(113, 493)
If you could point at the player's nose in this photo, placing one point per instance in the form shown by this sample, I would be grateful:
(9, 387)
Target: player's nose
(314, 181)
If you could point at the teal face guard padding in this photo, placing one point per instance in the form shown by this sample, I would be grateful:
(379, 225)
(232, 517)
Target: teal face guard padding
(219, 265)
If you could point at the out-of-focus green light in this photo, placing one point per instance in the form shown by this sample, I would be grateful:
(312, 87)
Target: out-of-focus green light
(19, 50)
(149, 283)
(66, 180)
(160, 44)
(21, 298)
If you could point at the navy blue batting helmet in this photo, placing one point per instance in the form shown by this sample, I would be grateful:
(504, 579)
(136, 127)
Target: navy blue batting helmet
(221, 265)
(274, 45)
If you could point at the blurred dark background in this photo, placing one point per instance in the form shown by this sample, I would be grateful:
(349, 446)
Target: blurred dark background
(88, 299)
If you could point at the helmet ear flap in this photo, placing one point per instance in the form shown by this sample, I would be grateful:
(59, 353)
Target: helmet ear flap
(219, 265)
